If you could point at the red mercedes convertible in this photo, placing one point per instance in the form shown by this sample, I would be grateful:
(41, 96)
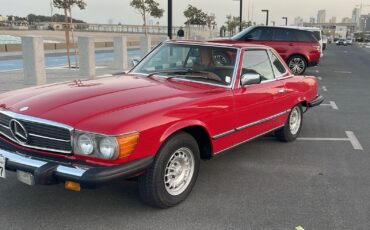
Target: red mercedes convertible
(184, 102)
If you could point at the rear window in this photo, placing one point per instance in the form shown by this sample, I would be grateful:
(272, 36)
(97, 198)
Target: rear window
(317, 35)
(305, 36)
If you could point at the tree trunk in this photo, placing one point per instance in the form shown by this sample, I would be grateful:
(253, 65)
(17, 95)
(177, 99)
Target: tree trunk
(144, 19)
(67, 36)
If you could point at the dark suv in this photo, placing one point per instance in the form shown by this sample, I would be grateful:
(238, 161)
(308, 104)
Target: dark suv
(299, 48)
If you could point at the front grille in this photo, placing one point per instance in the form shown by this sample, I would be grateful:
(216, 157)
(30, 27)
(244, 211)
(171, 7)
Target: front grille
(41, 135)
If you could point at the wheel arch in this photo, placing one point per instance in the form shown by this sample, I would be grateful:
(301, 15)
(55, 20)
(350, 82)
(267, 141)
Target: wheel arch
(297, 54)
(196, 129)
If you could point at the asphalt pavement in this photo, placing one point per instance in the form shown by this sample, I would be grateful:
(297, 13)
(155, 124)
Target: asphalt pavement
(321, 181)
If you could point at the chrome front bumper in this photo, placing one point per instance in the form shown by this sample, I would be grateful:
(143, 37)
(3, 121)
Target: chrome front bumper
(48, 172)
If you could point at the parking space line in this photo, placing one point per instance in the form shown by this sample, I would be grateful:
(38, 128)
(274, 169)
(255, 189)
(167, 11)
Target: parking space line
(332, 104)
(354, 141)
(324, 88)
(317, 71)
(350, 137)
(344, 72)
(320, 78)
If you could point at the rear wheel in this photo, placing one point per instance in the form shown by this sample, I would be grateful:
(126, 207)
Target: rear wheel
(173, 173)
(297, 64)
(292, 126)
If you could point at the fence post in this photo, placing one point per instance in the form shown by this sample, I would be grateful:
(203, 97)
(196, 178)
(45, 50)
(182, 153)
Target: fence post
(145, 45)
(86, 47)
(120, 53)
(33, 60)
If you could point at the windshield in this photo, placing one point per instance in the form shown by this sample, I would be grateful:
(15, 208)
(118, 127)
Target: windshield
(202, 63)
(241, 34)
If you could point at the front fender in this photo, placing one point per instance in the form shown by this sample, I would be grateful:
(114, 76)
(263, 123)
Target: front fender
(181, 125)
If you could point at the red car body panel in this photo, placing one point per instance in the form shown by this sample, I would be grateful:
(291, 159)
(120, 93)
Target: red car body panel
(157, 108)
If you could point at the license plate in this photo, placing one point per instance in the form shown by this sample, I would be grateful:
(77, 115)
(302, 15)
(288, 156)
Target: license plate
(2, 167)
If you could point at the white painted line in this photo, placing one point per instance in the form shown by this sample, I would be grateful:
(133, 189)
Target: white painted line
(324, 88)
(344, 72)
(317, 71)
(321, 139)
(320, 78)
(354, 141)
(332, 105)
(351, 138)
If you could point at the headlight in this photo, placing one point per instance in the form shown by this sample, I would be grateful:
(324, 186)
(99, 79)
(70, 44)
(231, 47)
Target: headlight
(108, 147)
(103, 146)
(85, 144)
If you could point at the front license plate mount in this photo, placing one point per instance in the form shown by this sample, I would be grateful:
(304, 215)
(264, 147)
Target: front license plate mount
(2, 167)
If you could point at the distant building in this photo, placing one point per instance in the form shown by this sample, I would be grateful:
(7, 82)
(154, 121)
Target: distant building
(346, 20)
(356, 16)
(364, 23)
(334, 29)
(321, 14)
(298, 21)
(312, 20)
(3, 19)
(333, 20)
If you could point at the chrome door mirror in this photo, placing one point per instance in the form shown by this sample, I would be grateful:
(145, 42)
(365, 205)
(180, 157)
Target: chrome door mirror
(135, 62)
(250, 79)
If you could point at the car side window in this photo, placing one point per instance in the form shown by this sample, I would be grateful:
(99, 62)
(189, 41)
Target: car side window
(281, 34)
(276, 64)
(258, 62)
(259, 34)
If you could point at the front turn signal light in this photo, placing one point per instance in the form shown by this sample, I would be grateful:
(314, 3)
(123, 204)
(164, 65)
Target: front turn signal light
(127, 144)
(74, 186)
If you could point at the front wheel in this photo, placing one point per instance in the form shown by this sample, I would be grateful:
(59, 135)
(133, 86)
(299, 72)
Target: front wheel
(173, 173)
(297, 64)
(292, 126)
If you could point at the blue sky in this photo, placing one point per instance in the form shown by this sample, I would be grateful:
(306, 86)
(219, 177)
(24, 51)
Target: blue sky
(100, 11)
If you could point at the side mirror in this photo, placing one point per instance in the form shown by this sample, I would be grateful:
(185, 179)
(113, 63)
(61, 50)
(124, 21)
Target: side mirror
(135, 62)
(250, 79)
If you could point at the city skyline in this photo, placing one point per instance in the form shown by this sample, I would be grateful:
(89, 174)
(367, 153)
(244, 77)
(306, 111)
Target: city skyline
(120, 11)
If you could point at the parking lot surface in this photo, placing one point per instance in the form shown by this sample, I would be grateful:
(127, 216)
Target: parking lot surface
(321, 181)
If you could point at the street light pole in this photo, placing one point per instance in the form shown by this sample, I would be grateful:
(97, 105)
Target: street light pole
(267, 16)
(241, 16)
(286, 20)
(169, 26)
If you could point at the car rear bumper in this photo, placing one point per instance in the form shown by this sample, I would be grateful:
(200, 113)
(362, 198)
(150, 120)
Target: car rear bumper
(317, 101)
(48, 172)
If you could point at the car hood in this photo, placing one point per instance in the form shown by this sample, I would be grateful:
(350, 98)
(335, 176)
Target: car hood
(89, 104)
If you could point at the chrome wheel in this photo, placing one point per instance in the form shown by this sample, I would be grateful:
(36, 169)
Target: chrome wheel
(179, 171)
(295, 120)
(297, 65)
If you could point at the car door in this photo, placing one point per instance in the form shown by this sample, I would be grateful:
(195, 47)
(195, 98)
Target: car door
(256, 106)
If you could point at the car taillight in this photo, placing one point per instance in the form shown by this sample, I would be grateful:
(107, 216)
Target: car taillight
(318, 48)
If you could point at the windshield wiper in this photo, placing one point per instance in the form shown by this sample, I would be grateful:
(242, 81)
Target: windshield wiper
(179, 72)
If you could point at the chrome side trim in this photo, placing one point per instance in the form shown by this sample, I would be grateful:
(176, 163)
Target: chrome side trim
(35, 119)
(262, 120)
(49, 138)
(250, 125)
(252, 138)
(224, 134)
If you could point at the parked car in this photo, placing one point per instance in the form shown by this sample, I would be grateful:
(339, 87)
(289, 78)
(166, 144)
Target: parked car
(317, 32)
(299, 48)
(349, 41)
(342, 42)
(179, 105)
